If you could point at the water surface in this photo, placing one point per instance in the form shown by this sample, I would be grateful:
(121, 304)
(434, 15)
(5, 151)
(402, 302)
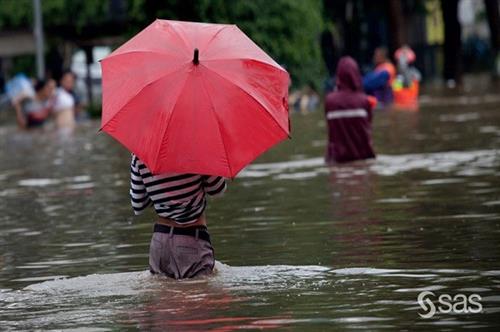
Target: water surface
(300, 245)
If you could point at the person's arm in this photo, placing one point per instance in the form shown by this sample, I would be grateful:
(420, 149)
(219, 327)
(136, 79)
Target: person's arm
(416, 75)
(214, 185)
(20, 117)
(42, 115)
(138, 195)
(372, 103)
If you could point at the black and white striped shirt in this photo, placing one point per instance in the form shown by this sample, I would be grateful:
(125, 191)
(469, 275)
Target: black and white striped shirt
(180, 197)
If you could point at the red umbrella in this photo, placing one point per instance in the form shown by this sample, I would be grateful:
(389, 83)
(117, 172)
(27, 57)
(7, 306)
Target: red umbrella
(194, 98)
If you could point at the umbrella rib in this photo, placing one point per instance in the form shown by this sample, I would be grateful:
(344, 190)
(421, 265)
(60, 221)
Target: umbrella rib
(111, 56)
(179, 35)
(169, 120)
(276, 66)
(138, 92)
(251, 96)
(218, 127)
(216, 34)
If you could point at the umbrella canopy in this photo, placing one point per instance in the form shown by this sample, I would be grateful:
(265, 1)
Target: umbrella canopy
(194, 98)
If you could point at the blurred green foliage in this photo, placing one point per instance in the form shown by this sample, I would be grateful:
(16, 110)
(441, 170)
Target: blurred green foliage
(78, 13)
(23, 64)
(287, 29)
(94, 110)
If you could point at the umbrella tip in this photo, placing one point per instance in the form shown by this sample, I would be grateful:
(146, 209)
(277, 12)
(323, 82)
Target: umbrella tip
(195, 57)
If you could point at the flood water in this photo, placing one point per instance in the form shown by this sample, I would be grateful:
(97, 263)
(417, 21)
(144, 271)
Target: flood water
(301, 246)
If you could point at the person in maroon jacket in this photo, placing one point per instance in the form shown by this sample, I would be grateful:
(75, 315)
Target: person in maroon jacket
(348, 112)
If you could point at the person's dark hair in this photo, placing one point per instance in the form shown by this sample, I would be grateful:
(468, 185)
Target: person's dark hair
(40, 84)
(66, 72)
(383, 50)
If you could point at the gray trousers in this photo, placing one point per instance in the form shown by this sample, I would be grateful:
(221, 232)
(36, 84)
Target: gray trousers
(180, 256)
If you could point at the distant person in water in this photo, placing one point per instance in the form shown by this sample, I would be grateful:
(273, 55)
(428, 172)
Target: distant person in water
(64, 105)
(378, 83)
(406, 86)
(33, 111)
(348, 112)
(407, 72)
(181, 246)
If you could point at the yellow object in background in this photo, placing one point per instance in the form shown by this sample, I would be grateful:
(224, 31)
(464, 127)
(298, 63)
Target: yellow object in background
(434, 22)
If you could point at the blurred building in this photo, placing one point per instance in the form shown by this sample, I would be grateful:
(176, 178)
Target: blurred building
(24, 45)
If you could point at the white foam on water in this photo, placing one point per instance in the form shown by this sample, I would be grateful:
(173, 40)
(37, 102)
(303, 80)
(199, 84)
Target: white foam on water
(364, 270)
(79, 186)
(435, 101)
(420, 289)
(96, 285)
(296, 176)
(287, 164)
(270, 277)
(129, 283)
(436, 162)
(137, 296)
(489, 130)
(84, 300)
(464, 163)
(79, 178)
(76, 182)
(395, 200)
(491, 203)
(436, 274)
(441, 181)
(463, 117)
(38, 182)
(42, 278)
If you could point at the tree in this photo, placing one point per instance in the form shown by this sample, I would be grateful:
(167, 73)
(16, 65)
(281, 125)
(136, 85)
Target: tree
(288, 30)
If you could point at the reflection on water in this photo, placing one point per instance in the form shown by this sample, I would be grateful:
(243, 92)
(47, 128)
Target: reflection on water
(302, 245)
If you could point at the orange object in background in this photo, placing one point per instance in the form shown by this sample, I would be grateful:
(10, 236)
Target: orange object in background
(373, 102)
(389, 67)
(407, 98)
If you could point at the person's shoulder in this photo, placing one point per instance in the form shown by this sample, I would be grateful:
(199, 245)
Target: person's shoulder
(62, 93)
(334, 99)
(339, 95)
(361, 95)
(63, 99)
(333, 95)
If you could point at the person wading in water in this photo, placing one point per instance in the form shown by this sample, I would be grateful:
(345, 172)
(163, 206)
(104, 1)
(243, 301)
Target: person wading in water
(180, 246)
